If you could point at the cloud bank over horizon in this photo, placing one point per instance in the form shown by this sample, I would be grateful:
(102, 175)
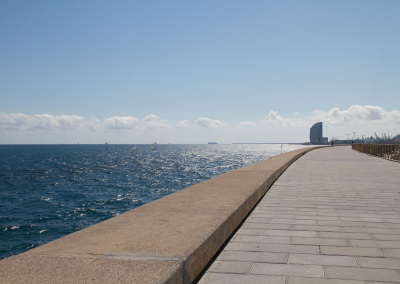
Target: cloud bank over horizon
(20, 121)
(363, 118)
(353, 115)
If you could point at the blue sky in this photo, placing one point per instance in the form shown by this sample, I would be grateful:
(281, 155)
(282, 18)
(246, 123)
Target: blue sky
(197, 71)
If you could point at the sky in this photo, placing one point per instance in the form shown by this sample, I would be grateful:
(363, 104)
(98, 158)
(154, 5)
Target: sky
(134, 72)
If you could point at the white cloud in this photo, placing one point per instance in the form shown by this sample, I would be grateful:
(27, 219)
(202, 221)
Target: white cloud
(246, 124)
(152, 121)
(276, 120)
(19, 121)
(357, 114)
(210, 123)
(183, 124)
(92, 123)
(354, 115)
(14, 121)
(120, 122)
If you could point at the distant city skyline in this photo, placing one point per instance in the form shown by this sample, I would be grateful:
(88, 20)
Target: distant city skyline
(134, 72)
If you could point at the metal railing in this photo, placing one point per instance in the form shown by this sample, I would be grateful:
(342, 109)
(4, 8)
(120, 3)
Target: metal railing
(386, 151)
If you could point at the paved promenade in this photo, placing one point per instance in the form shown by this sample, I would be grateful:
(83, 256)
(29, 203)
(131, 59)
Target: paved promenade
(332, 217)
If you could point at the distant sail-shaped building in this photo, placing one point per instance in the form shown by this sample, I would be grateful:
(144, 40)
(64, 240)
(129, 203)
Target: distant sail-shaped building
(316, 134)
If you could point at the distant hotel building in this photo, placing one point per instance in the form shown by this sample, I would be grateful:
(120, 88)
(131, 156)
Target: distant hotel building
(316, 134)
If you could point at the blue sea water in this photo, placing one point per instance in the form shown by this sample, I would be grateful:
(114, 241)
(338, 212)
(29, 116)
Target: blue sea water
(48, 191)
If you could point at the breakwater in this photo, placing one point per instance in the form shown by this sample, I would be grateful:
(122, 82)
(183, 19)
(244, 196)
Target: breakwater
(169, 240)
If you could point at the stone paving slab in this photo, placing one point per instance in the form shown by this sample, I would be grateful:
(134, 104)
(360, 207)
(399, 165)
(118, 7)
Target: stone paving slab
(332, 217)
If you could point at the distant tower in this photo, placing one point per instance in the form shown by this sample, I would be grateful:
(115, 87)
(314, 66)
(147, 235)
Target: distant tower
(316, 133)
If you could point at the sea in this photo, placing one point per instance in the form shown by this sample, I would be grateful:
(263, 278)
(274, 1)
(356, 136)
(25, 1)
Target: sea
(49, 191)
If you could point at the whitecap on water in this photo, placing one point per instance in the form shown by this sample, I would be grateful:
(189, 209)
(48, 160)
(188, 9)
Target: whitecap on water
(45, 198)
(10, 227)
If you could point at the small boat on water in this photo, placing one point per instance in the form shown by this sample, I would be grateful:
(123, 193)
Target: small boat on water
(153, 147)
(134, 148)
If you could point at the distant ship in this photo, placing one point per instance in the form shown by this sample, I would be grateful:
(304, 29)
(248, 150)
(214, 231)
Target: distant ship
(153, 147)
(212, 143)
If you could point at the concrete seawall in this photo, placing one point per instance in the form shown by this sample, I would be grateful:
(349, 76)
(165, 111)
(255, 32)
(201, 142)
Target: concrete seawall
(169, 240)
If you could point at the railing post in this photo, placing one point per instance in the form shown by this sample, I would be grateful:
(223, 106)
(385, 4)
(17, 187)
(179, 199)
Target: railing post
(391, 152)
